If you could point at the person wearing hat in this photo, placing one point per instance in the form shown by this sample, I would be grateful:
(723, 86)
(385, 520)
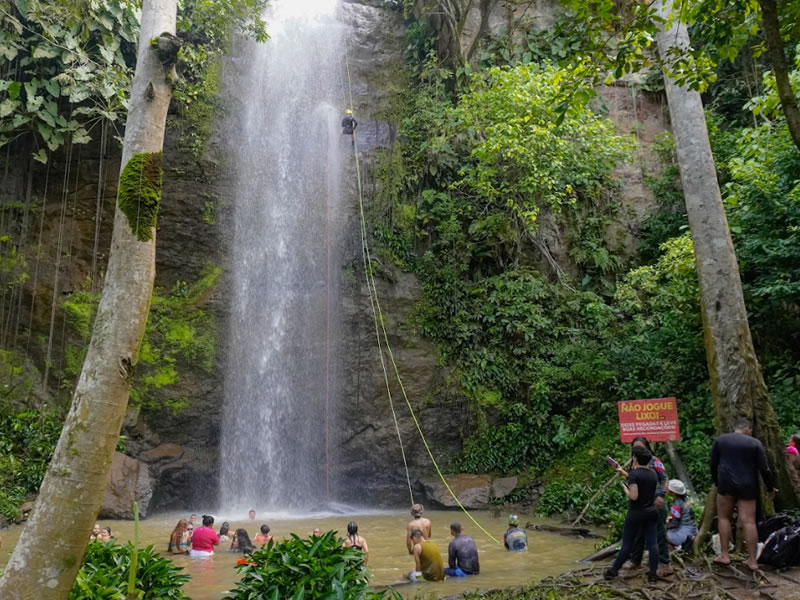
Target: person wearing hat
(418, 522)
(349, 123)
(515, 539)
(682, 523)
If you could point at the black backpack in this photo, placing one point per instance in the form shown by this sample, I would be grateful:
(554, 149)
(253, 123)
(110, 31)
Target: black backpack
(782, 548)
(773, 523)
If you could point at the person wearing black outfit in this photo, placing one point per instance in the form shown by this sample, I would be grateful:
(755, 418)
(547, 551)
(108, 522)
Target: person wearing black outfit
(642, 515)
(635, 560)
(737, 459)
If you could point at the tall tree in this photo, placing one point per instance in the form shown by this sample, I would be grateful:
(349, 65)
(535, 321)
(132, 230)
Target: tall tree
(737, 385)
(770, 23)
(45, 566)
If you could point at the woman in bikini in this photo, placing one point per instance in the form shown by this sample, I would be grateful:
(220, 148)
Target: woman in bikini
(355, 541)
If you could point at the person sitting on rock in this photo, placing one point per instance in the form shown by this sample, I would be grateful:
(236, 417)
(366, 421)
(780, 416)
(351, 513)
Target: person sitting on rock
(418, 522)
(263, 537)
(515, 539)
(427, 559)
(179, 540)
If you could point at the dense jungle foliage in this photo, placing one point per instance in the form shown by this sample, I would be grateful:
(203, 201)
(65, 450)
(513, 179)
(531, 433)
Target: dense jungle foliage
(500, 195)
(65, 69)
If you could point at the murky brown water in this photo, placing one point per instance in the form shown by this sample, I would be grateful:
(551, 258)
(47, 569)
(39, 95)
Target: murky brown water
(548, 554)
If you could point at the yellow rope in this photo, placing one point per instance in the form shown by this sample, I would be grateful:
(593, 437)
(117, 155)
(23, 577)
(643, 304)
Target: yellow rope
(378, 313)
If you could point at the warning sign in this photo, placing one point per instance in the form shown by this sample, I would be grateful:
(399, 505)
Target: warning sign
(656, 419)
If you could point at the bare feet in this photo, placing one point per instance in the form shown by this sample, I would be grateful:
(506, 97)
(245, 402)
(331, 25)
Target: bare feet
(753, 566)
(722, 560)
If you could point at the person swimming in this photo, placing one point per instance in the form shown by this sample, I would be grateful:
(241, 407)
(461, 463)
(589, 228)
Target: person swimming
(263, 537)
(355, 541)
(241, 542)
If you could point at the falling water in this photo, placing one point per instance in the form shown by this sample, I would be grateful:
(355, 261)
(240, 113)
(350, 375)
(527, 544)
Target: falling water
(287, 152)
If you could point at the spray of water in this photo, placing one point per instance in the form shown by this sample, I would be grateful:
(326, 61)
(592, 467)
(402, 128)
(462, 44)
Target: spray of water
(287, 152)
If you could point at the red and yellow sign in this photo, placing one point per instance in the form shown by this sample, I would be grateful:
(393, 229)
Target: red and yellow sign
(656, 419)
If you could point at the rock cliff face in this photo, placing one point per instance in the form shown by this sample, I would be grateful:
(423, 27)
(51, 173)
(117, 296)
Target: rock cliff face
(369, 464)
(176, 451)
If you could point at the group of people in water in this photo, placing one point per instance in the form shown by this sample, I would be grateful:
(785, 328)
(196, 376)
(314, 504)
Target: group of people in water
(201, 541)
(660, 516)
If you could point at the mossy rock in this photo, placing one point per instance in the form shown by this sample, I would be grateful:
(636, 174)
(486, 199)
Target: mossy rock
(140, 193)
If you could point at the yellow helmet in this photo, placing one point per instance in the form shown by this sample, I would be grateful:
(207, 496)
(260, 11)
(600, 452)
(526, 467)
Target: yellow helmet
(348, 112)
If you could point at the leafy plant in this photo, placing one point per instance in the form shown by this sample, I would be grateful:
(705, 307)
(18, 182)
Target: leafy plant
(297, 568)
(104, 574)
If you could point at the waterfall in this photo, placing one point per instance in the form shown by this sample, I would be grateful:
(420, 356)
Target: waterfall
(287, 154)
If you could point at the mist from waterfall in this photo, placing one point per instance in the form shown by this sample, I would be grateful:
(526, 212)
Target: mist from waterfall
(287, 153)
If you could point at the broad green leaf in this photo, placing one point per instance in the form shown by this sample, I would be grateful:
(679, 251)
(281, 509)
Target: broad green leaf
(7, 107)
(41, 156)
(45, 52)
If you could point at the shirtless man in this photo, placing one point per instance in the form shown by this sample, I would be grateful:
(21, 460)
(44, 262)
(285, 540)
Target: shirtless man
(418, 522)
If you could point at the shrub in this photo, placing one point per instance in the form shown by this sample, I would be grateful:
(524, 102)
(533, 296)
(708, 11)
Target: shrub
(318, 568)
(105, 570)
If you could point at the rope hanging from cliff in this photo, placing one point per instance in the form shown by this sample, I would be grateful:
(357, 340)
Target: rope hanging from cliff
(380, 322)
(365, 257)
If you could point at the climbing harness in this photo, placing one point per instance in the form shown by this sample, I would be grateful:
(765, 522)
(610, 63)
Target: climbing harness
(380, 327)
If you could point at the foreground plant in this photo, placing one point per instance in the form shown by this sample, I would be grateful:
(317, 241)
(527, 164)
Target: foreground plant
(317, 567)
(105, 571)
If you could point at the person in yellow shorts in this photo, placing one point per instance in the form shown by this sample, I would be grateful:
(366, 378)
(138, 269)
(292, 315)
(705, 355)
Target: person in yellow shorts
(428, 562)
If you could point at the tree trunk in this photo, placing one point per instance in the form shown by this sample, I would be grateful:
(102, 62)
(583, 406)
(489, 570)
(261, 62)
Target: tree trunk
(45, 565)
(780, 67)
(680, 468)
(737, 386)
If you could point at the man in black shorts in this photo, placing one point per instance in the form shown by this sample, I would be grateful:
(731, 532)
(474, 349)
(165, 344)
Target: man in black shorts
(736, 460)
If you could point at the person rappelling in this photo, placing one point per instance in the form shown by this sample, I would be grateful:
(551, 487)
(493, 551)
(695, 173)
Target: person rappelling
(349, 123)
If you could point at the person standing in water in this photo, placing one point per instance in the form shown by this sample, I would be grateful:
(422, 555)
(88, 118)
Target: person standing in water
(427, 559)
(204, 539)
(418, 522)
(355, 541)
(515, 539)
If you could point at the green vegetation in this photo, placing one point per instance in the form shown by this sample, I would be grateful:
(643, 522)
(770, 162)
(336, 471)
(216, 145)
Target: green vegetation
(104, 575)
(139, 194)
(71, 63)
(179, 333)
(500, 198)
(27, 440)
(298, 568)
